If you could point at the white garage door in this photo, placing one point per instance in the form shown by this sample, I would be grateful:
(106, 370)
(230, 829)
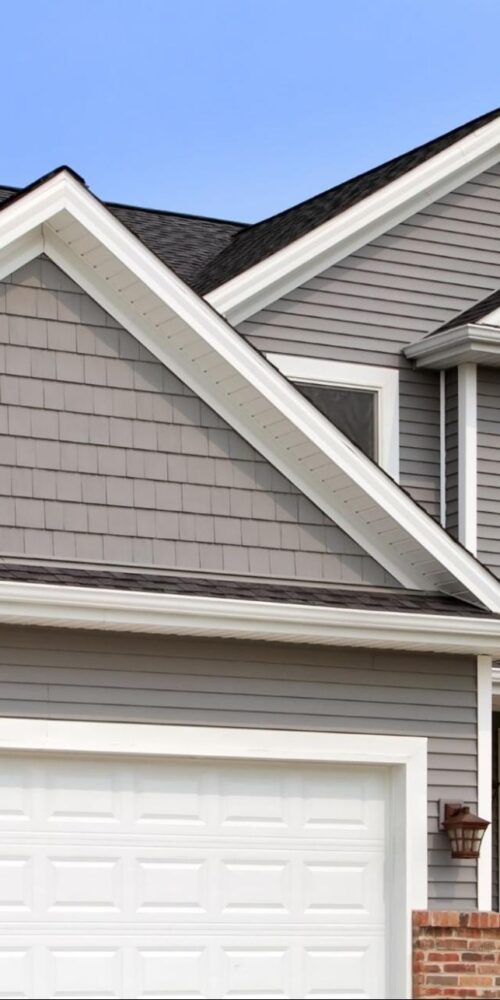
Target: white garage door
(173, 878)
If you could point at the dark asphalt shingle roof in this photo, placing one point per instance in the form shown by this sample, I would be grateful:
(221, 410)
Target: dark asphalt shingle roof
(250, 590)
(186, 243)
(474, 314)
(207, 252)
(259, 241)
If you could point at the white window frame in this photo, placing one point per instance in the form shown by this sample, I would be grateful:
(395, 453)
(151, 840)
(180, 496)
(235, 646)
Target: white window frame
(383, 381)
(405, 757)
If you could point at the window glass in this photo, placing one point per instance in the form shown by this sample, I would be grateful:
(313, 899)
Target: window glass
(353, 411)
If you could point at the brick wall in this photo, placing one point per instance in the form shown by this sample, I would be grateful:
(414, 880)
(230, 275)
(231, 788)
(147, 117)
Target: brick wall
(456, 955)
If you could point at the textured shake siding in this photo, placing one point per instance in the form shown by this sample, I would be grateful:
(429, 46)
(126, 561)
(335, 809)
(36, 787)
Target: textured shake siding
(69, 675)
(488, 467)
(451, 447)
(107, 456)
(390, 293)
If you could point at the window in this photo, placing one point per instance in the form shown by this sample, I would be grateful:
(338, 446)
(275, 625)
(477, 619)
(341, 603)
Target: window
(353, 411)
(361, 400)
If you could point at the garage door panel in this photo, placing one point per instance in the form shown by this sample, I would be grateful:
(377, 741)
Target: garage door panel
(194, 885)
(209, 967)
(173, 878)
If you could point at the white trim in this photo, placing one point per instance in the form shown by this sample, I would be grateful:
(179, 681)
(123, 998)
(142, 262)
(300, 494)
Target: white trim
(20, 252)
(332, 241)
(176, 614)
(467, 456)
(491, 319)
(405, 756)
(472, 342)
(484, 777)
(442, 448)
(383, 381)
(407, 542)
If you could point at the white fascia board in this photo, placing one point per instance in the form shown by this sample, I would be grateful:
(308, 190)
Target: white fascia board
(64, 193)
(473, 342)
(246, 294)
(33, 604)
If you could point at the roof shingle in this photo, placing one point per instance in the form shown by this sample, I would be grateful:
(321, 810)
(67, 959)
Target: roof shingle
(247, 590)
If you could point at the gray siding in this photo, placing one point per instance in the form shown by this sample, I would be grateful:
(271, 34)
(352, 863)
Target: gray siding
(70, 675)
(106, 456)
(488, 467)
(387, 295)
(451, 446)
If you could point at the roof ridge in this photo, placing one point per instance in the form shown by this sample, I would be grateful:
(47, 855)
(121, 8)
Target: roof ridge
(178, 215)
(378, 166)
(261, 240)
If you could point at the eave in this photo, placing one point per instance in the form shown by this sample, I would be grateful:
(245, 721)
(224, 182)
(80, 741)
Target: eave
(477, 342)
(173, 614)
(61, 218)
(265, 282)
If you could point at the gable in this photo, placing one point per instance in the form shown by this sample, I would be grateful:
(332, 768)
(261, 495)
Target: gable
(356, 213)
(58, 215)
(392, 293)
(107, 456)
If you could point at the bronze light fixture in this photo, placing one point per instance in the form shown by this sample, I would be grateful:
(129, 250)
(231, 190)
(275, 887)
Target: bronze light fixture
(465, 830)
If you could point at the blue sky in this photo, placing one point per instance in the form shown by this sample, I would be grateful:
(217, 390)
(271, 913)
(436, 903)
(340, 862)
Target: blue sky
(235, 108)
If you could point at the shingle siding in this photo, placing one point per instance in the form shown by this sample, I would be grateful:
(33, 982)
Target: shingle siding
(390, 293)
(48, 673)
(107, 456)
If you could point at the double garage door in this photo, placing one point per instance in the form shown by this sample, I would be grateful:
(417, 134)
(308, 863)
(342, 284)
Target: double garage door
(134, 877)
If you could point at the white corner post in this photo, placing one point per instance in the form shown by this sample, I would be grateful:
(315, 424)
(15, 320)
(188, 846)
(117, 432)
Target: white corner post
(484, 776)
(467, 456)
(442, 447)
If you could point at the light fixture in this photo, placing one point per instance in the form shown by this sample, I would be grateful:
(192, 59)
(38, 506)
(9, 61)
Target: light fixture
(464, 828)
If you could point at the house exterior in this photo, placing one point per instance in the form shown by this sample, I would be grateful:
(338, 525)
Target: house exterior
(250, 588)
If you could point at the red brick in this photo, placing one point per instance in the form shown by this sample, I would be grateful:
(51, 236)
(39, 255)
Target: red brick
(476, 981)
(439, 956)
(456, 955)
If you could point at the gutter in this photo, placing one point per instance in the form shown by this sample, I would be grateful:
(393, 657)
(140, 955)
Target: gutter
(27, 604)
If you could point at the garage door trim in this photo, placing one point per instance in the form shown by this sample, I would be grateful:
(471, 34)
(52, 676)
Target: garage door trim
(406, 758)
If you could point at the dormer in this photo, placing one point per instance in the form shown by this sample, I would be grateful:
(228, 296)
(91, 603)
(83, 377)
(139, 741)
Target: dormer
(466, 351)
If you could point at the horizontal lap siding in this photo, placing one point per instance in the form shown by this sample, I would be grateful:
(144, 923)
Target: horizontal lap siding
(390, 293)
(451, 449)
(106, 456)
(62, 674)
(488, 467)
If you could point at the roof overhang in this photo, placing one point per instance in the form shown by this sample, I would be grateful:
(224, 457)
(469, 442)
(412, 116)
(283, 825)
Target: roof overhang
(30, 604)
(476, 342)
(61, 218)
(255, 288)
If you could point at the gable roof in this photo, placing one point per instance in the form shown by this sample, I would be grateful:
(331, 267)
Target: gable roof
(207, 252)
(186, 243)
(266, 261)
(255, 243)
(474, 314)
(472, 335)
(60, 217)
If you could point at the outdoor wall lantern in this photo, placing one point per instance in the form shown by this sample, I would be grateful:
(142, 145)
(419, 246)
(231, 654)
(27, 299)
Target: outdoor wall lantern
(465, 830)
